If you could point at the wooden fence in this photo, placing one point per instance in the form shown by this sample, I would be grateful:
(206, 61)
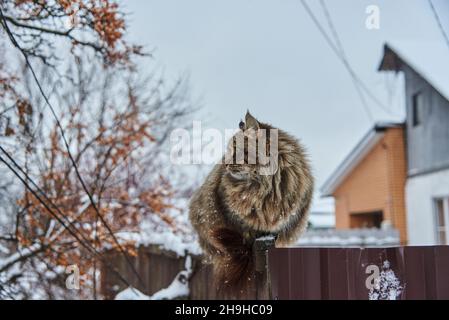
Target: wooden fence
(302, 273)
(158, 268)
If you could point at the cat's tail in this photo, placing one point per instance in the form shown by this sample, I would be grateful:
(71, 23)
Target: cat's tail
(233, 265)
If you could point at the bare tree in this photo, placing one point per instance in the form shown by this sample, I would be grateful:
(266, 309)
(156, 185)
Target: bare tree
(82, 160)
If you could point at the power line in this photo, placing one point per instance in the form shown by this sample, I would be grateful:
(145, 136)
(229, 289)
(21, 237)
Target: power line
(85, 244)
(440, 25)
(338, 51)
(344, 57)
(58, 123)
(333, 29)
(28, 178)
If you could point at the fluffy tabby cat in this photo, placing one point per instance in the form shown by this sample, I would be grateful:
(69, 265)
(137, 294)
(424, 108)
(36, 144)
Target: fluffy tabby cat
(236, 205)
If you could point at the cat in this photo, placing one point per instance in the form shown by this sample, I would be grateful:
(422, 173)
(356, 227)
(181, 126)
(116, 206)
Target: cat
(239, 203)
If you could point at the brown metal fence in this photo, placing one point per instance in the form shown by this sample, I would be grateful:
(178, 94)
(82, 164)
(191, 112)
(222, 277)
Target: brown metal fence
(302, 273)
(158, 268)
(349, 273)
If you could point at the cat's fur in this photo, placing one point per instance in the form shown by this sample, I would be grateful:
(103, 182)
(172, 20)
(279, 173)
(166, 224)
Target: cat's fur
(236, 205)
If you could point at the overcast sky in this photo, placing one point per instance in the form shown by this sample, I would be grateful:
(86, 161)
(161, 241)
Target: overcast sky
(268, 56)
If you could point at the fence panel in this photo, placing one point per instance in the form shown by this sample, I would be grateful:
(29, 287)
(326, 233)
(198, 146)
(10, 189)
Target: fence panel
(360, 273)
(158, 268)
(301, 273)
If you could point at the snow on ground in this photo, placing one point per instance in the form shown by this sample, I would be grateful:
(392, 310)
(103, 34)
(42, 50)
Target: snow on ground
(179, 288)
(131, 294)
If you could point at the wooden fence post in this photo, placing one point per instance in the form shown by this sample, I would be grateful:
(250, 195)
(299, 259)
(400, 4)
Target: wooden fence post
(262, 274)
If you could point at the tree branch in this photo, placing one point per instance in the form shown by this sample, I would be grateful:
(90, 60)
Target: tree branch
(66, 33)
(37, 28)
(21, 255)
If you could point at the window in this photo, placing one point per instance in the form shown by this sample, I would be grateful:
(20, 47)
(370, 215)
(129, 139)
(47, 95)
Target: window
(366, 220)
(417, 102)
(442, 220)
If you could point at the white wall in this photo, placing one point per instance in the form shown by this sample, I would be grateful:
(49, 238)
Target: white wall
(420, 192)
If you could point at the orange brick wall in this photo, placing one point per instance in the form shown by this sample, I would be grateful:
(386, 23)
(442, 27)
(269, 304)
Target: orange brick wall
(376, 184)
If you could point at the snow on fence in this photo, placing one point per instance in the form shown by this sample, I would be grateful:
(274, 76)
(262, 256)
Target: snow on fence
(293, 273)
(168, 275)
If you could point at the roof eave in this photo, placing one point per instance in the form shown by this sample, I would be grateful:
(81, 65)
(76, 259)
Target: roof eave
(390, 60)
(393, 61)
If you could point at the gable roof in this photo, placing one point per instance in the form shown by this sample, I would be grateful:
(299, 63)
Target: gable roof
(429, 59)
(356, 156)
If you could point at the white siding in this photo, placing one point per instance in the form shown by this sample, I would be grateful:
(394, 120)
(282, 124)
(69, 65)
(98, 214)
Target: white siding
(420, 194)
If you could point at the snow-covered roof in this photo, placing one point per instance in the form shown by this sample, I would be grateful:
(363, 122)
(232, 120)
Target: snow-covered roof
(349, 238)
(355, 157)
(429, 59)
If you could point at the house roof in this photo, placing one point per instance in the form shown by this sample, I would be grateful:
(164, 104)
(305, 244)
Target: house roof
(349, 238)
(429, 59)
(356, 156)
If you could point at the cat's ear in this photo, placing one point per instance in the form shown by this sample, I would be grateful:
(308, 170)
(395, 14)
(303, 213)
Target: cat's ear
(251, 122)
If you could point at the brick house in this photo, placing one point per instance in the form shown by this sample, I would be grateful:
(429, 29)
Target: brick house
(369, 184)
(398, 174)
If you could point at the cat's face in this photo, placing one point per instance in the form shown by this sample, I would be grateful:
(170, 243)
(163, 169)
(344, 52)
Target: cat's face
(246, 154)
